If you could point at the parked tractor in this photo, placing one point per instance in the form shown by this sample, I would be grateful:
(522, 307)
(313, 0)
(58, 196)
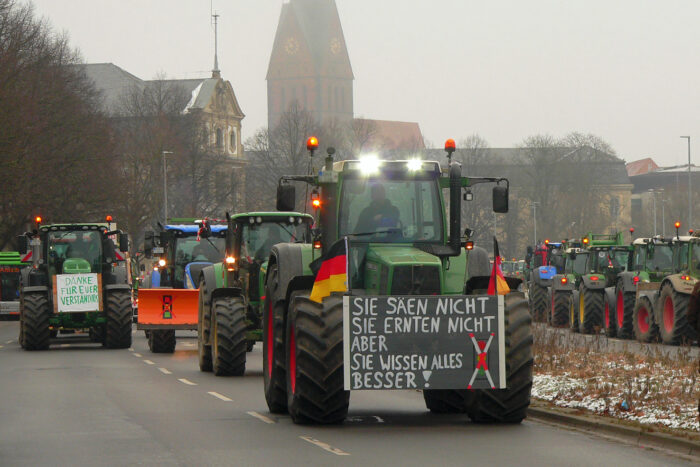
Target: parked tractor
(77, 280)
(564, 285)
(168, 297)
(231, 291)
(671, 311)
(368, 304)
(11, 262)
(546, 261)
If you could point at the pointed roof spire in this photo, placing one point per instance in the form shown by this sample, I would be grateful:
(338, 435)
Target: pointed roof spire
(216, 73)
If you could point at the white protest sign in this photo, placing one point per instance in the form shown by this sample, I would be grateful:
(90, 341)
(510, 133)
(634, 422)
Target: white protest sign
(77, 292)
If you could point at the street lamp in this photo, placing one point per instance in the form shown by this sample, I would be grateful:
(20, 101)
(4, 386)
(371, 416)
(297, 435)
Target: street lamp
(165, 187)
(534, 217)
(690, 198)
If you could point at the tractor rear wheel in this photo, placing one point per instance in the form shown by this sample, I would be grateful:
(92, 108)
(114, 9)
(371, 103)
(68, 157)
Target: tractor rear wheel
(509, 405)
(274, 349)
(624, 309)
(645, 328)
(590, 310)
(560, 309)
(538, 302)
(573, 311)
(118, 313)
(162, 340)
(35, 322)
(204, 328)
(694, 310)
(609, 315)
(228, 334)
(442, 401)
(672, 317)
(315, 385)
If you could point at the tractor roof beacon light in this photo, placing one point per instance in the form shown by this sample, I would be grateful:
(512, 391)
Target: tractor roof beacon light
(631, 231)
(37, 220)
(312, 145)
(315, 199)
(450, 148)
(677, 225)
(330, 150)
(108, 218)
(161, 263)
(469, 245)
(546, 241)
(230, 263)
(585, 240)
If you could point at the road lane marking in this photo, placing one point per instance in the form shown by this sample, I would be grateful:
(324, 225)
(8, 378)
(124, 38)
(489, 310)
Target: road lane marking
(165, 371)
(187, 382)
(260, 417)
(137, 355)
(131, 349)
(1, 346)
(325, 446)
(8, 342)
(220, 396)
(148, 362)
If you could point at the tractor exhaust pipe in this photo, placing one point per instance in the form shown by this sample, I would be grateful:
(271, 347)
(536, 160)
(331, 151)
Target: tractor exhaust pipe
(455, 207)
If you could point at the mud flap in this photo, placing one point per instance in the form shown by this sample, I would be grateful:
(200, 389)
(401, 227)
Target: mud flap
(168, 308)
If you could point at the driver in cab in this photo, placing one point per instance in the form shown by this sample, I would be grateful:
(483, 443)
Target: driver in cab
(380, 213)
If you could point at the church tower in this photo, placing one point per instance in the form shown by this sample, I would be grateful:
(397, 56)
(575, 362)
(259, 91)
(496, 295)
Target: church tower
(310, 63)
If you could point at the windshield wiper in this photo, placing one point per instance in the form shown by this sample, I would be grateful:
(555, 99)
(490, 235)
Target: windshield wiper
(386, 231)
(212, 244)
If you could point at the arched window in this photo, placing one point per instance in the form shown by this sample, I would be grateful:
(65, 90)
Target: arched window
(233, 144)
(219, 138)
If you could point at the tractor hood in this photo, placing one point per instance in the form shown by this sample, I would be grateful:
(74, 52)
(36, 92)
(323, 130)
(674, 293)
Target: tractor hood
(401, 269)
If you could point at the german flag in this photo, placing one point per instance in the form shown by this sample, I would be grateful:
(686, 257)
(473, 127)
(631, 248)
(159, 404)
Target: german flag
(497, 284)
(332, 276)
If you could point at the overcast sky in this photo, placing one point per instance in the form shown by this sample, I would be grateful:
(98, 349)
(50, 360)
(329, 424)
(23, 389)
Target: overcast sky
(628, 70)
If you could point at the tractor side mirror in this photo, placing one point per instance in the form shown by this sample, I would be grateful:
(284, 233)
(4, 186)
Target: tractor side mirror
(22, 244)
(123, 242)
(500, 199)
(205, 231)
(286, 197)
(148, 243)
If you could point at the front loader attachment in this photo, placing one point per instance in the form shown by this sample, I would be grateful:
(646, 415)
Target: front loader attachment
(168, 308)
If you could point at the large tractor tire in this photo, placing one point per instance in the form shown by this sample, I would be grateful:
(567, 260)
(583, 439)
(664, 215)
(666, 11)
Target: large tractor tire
(315, 389)
(624, 309)
(509, 405)
(573, 311)
(590, 310)
(694, 310)
(446, 401)
(274, 348)
(204, 328)
(162, 340)
(609, 315)
(645, 327)
(35, 322)
(672, 317)
(228, 336)
(560, 309)
(538, 302)
(118, 313)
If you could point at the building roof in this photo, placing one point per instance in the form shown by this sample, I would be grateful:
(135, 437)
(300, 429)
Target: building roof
(393, 135)
(641, 166)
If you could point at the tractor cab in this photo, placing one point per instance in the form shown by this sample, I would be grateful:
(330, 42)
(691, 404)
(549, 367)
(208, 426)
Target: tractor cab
(652, 258)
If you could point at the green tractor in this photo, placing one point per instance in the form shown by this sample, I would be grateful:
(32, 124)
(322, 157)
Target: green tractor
(652, 260)
(11, 262)
(564, 285)
(231, 292)
(672, 311)
(608, 256)
(363, 306)
(77, 280)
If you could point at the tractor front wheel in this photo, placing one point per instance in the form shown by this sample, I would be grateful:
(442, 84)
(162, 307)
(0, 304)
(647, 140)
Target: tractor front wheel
(118, 327)
(538, 302)
(162, 340)
(573, 311)
(645, 328)
(315, 389)
(228, 334)
(274, 351)
(624, 309)
(560, 309)
(672, 317)
(590, 310)
(509, 405)
(609, 315)
(35, 322)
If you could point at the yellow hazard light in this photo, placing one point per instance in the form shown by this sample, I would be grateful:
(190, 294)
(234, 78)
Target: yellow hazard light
(161, 263)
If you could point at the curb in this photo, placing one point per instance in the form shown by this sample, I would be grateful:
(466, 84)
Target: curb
(638, 437)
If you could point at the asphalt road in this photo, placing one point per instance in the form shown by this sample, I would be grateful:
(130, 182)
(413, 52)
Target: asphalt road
(79, 404)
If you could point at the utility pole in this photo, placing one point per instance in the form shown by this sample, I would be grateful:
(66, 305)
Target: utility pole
(215, 72)
(534, 218)
(690, 196)
(165, 187)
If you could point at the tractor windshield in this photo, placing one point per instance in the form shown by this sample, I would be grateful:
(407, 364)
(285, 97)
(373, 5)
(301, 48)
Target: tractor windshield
(577, 265)
(660, 258)
(385, 209)
(190, 250)
(9, 286)
(74, 251)
(619, 259)
(258, 239)
(695, 259)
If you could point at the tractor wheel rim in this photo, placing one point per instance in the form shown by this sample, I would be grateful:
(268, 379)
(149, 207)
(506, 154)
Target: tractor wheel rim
(581, 307)
(607, 315)
(270, 341)
(292, 361)
(620, 309)
(572, 314)
(669, 314)
(643, 320)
